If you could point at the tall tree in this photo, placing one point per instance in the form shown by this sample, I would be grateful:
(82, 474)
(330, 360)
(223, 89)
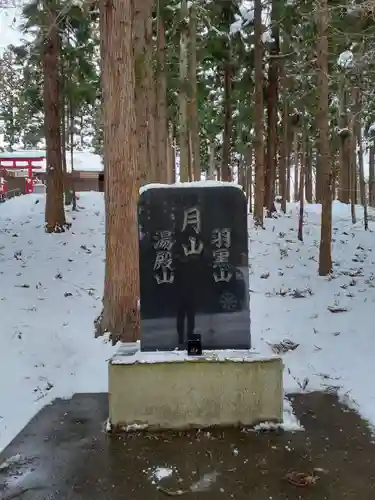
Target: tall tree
(161, 82)
(185, 164)
(359, 143)
(142, 13)
(120, 314)
(284, 149)
(345, 140)
(227, 70)
(259, 116)
(308, 172)
(54, 213)
(153, 106)
(371, 180)
(272, 109)
(325, 257)
(226, 173)
(194, 125)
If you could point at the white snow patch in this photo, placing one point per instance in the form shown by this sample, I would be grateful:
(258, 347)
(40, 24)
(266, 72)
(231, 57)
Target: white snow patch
(10, 25)
(15, 459)
(247, 13)
(245, 18)
(108, 425)
(157, 474)
(135, 427)
(266, 37)
(290, 422)
(346, 59)
(205, 482)
(236, 26)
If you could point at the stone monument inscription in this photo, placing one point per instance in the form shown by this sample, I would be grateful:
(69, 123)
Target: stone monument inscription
(194, 267)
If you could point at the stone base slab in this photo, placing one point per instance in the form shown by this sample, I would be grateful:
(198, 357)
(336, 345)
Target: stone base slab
(170, 390)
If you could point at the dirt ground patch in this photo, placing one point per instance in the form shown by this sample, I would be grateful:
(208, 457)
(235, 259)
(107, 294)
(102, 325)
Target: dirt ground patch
(65, 454)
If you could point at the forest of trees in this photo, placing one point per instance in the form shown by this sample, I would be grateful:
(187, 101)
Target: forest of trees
(282, 90)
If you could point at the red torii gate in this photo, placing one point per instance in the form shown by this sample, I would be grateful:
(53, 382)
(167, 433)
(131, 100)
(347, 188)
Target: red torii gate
(22, 161)
(12, 163)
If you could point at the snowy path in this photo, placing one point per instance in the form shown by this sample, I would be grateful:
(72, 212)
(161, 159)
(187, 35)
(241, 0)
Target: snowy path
(51, 288)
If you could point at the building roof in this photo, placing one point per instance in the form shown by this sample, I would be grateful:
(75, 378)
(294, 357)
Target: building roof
(33, 153)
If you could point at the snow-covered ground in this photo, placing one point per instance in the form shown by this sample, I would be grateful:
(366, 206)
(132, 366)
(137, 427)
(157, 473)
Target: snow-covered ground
(331, 317)
(9, 24)
(50, 293)
(51, 288)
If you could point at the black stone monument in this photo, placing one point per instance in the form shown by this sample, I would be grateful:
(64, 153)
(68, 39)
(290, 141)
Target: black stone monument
(194, 274)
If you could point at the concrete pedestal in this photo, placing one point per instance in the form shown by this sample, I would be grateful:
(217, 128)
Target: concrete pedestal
(170, 390)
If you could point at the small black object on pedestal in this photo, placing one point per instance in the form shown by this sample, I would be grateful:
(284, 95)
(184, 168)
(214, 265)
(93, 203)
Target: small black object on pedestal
(194, 347)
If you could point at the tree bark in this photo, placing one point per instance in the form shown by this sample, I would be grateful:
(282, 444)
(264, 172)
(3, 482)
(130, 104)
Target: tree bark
(346, 157)
(81, 131)
(152, 107)
(362, 177)
(289, 147)
(318, 175)
(64, 118)
(359, 142)
(183, 94)
(301, 195)
(142, 11)
(211, 161)
(120, 314)
(218, 172)
(325, 257)
(371, 180)
(54, 213)
(249, 192)
(272, 108)
(296, 165)
(357, 129)
(161, 103)
(63, 127)
(71, 144)
(170, 157)
(352, 161)
(345, 139)
(242, 173)
(308, 171)
(194, 125)
(226, 173)
(259, 115)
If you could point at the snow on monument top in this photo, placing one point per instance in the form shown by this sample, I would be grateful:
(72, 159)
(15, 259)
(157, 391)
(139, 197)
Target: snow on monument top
(195, 184)
(130, 354)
